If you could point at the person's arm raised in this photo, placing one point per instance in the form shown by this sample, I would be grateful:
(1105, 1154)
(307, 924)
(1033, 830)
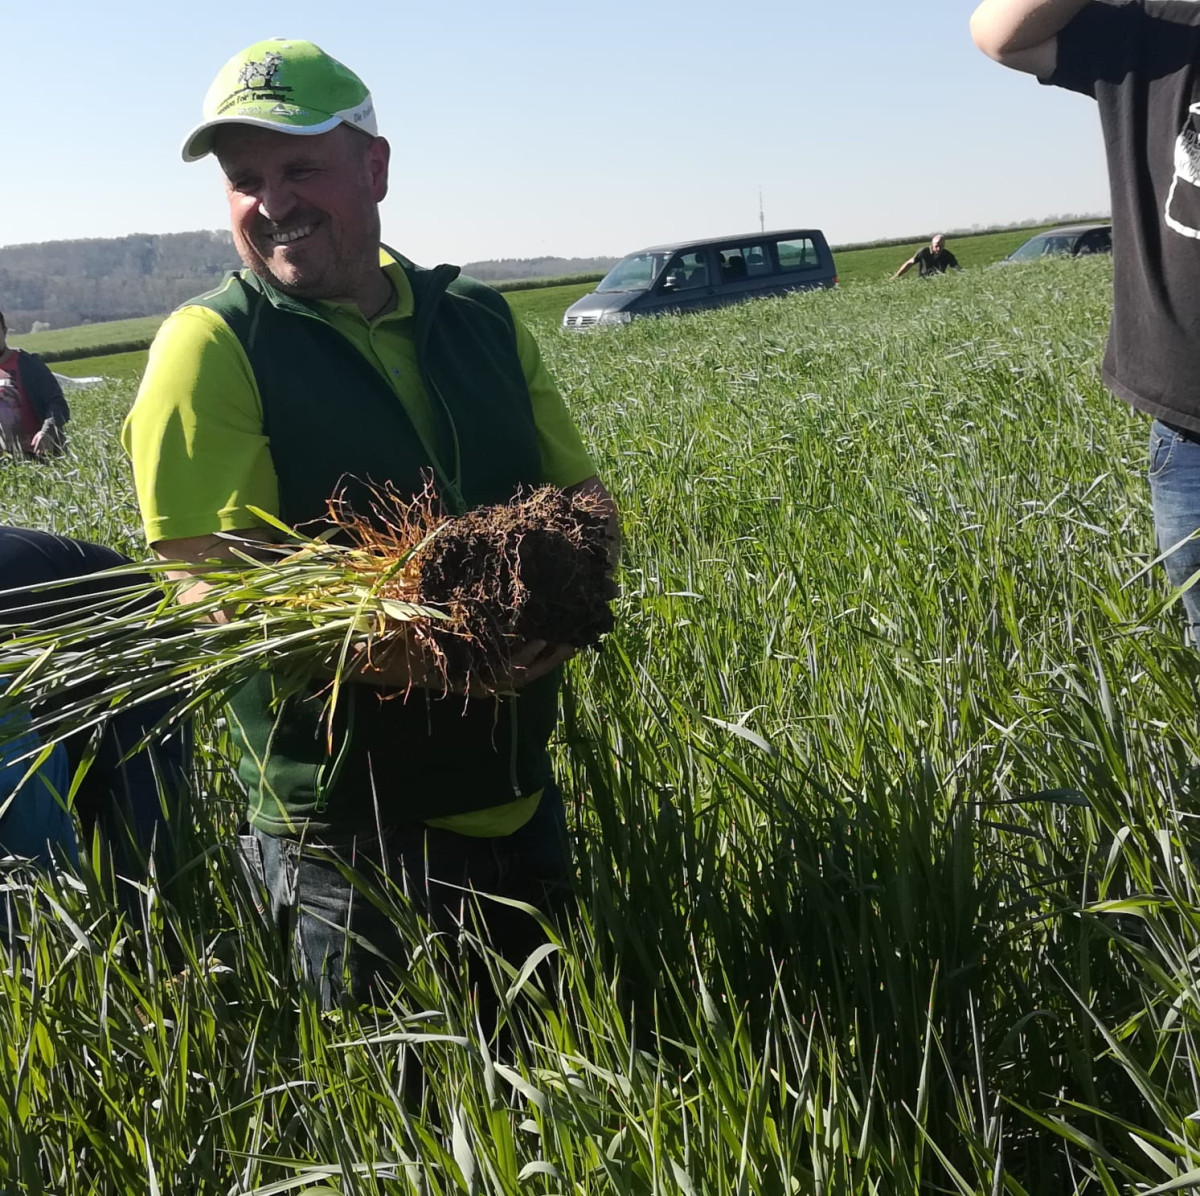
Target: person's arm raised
(1023, 34)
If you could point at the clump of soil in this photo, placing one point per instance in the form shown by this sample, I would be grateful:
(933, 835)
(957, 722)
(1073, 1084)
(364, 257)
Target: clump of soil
(536, 568)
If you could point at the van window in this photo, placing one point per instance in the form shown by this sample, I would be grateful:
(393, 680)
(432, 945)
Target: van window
(737, 262)
(799, 254)
(1099, 240)
(685, 271)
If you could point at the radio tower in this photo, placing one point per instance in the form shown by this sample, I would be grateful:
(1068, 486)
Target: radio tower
(762, 224)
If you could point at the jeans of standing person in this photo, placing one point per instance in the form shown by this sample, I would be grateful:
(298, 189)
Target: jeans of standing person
(1174, 473)
(331, 919)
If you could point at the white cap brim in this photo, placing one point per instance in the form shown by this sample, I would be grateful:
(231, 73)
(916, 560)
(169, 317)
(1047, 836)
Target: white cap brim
(199, 142)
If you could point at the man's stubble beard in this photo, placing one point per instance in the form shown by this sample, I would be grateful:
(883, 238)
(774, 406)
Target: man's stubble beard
(368, 261)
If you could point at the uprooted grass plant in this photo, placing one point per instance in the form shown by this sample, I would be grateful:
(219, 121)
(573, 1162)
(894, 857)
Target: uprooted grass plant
(883, 795)
(449, 595)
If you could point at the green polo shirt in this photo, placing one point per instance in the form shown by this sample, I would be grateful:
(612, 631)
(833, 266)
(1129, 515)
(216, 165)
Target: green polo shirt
(201, 458)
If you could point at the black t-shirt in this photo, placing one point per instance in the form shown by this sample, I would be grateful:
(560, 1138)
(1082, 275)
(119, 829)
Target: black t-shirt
(929, 262)
(29, 558)
(1139, 61)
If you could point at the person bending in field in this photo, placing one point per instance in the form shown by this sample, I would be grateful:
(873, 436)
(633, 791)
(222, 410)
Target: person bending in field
(33, 411)
(133, 797)
(933, 258)
(332, 362)
(1139, 61)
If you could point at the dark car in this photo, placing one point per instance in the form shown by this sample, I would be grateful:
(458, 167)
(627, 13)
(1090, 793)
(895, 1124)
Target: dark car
(711, 273)
(1072, 240)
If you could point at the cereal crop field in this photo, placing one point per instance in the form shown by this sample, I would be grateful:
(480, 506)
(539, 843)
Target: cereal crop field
(882, 797)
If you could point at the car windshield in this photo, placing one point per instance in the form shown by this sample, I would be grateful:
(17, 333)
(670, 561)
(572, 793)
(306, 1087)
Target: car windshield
(636, 272)
(1040, 246)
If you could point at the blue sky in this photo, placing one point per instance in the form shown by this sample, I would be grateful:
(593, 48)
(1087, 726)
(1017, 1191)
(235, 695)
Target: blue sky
(532, 127)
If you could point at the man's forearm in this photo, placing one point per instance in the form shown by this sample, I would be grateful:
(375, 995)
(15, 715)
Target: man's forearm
(1004, 27)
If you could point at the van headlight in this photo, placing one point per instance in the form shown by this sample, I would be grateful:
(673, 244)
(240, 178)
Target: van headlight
(615, 317)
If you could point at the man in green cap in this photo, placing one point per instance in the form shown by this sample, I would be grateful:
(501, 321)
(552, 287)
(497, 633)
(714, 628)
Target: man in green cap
(333, 363)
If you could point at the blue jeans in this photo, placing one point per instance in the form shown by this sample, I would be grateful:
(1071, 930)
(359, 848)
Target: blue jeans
(135, 799)
(35, 820)
(1174, 472)
(319, 895)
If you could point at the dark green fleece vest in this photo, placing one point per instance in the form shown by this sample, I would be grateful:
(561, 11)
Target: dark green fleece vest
(334, 424)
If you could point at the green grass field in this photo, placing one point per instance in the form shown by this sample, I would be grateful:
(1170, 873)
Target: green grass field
(66, 343)
(882, 796)
(864, 265)
(113, 366)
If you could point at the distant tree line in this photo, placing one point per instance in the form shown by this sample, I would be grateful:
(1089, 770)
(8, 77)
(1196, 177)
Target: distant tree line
(64, 283)
(61, 284)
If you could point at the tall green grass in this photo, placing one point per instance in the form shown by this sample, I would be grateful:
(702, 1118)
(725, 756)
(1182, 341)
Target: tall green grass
(882, 797)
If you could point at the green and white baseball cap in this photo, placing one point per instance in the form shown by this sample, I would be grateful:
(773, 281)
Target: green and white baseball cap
(286, 85)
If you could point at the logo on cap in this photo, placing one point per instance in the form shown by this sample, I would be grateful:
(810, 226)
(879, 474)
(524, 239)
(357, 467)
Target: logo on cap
(258, 80)
(255, 76)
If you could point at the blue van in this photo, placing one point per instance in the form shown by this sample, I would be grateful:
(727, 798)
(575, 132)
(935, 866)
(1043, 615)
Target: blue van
(691, 275)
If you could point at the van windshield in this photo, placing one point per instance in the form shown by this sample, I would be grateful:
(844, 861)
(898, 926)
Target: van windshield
(636, 272)
(1041, 247)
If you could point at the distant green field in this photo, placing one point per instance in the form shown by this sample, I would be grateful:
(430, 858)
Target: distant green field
(548, 303)
(113, 365)
(118, 339)
(111, 336)
(860, 265)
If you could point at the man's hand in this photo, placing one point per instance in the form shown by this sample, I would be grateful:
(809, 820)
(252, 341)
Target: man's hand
(535, 659)
(1023, 34)
(405, 662)
(594, 487)
(410, 662)
(198, 552)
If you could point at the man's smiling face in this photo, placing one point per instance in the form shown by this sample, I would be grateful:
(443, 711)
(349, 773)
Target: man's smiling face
(304, 210)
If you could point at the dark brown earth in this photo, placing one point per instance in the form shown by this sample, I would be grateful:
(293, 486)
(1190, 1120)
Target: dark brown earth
(537, 568)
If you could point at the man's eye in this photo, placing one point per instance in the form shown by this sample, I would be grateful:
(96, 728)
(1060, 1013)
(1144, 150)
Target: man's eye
(302, 172)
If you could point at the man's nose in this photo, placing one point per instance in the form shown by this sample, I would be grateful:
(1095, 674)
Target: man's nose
(276, 201)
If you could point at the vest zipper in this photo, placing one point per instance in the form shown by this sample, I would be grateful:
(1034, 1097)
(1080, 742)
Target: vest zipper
(426, 304)
(449, 486)
(453, 485)
(512, 749)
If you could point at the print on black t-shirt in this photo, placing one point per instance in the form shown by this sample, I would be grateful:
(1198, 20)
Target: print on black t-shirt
(1183, 200)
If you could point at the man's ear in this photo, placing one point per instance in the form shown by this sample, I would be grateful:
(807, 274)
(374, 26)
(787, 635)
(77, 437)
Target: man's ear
(379, 155)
